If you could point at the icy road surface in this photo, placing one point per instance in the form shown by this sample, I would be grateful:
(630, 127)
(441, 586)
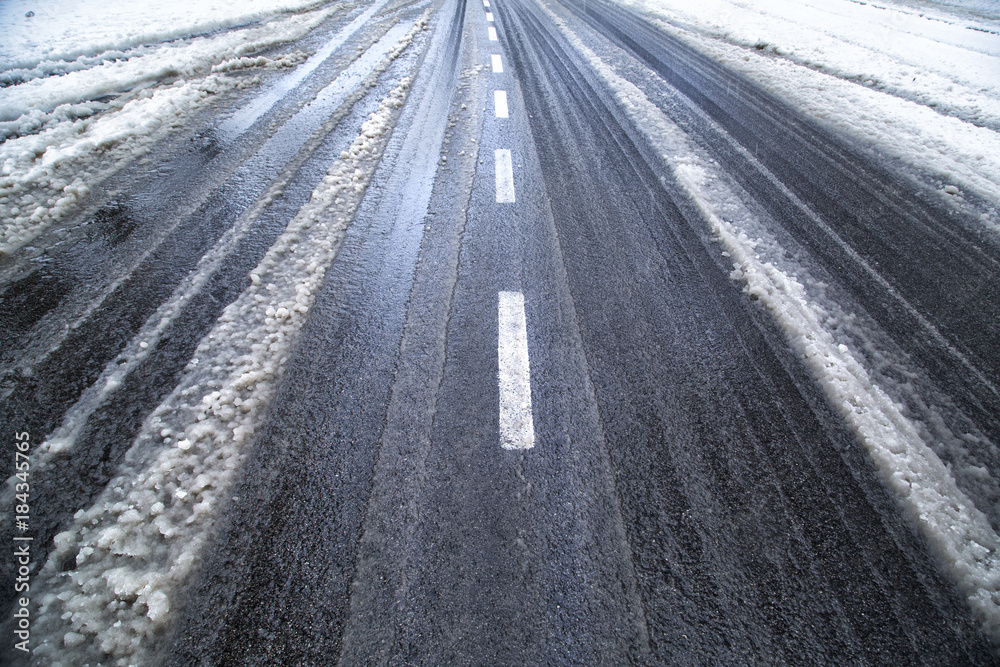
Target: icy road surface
(502, 332)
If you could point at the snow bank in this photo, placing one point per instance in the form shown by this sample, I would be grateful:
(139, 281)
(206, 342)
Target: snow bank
(180, 59)
(61, 140)
(917, 87)
(959, 533)
(140, 541)
(62, 31)
(985, 8)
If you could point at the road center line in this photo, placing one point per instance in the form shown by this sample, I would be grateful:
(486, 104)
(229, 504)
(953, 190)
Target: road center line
(486, 3)
(517, 429)
(500, 103)
(497, 64)
(489, 16)
(493, 34)
(504, 175)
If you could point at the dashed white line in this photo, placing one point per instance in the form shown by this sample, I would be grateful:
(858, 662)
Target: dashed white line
(504, 175)
(517, 429)
(486, 3)
(489, 16)
(500, 103)
(493, 34)
(497, 64)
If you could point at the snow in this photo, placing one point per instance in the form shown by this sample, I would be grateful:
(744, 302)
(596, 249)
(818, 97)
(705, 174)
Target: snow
(62, 31)
(915, 81)
(824, 336)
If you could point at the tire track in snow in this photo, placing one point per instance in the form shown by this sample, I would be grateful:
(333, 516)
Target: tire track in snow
(278, 146)
(44, 177)
(108, 414)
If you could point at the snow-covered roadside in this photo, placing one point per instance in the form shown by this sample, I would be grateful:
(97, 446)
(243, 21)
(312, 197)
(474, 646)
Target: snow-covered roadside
(60, 35)
(960, 535)
(141, 540)
(919, 87)
(352, 82)
(61, 141)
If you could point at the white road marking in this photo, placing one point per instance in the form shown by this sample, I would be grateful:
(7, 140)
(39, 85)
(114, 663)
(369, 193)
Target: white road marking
(505, 175)
(489, 16)
(493, 34)
(486, 3)
(517, 430)
(500, 103)
(497, 64)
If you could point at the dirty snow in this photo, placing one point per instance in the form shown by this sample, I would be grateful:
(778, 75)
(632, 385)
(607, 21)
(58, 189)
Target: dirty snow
(60, 32)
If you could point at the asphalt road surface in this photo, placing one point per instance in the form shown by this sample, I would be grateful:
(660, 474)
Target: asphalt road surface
(659, 479)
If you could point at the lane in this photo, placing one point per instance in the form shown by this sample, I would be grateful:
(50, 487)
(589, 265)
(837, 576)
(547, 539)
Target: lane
(914, 423)
(511, 556)
(303, 498)
(703, 410)
(151, 273)
(185, 452)
(469, 552)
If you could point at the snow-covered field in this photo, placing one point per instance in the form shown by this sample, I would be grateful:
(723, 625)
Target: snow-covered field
(914, 80)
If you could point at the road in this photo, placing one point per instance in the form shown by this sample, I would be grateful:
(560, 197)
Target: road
(661, 479)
